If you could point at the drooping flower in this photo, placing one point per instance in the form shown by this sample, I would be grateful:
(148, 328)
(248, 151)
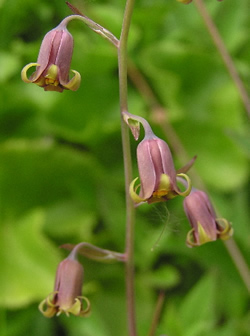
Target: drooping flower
(156, 171)
(206, 226)
(53, 63)
(66, 297)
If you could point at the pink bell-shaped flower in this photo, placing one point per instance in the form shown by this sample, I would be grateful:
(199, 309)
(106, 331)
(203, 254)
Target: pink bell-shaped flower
(206, 226)
(157, 172)
(53, 63)
(66, 296)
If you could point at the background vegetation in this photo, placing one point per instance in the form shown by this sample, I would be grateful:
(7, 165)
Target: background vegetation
(61, 170)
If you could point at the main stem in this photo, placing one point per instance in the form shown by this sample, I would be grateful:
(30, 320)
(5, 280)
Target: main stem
(130, 211)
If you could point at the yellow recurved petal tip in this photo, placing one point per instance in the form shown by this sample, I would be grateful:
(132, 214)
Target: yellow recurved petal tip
(189, 186)
(74, 83)
(226, 231)
(86, 311)
(190, 239)
(24, 72)
(47, 310)
(132, 191)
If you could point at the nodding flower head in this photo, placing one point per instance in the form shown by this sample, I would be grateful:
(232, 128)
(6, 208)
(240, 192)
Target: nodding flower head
(156, 171)
(53, 63)
(206, 226)
(66, 297)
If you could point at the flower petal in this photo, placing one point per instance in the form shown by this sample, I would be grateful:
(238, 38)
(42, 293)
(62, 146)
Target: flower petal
(146, 169)
(24, 72)
(189, 185)
(190, 239)
(132, 191)
(74, 83)
(86, 311)
(75, 309)
(226, 230)
(198, 238)
(50, 310)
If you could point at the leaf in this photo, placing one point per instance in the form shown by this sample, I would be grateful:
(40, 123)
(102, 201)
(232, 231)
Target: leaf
(28, 261)
(42, 173)
(197, 312)
(221, 164)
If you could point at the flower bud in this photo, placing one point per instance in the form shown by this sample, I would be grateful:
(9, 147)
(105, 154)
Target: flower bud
(53, 63)
(67, 291)
(206, 226)
(157, 172)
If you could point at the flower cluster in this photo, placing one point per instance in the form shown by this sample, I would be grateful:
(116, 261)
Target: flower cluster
(157, 174)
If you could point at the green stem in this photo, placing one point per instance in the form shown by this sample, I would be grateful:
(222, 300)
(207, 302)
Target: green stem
(130, 211)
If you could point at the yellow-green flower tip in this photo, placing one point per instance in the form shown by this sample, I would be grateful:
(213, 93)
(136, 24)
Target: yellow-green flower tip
(226, 229)
(49, 309)
(203, 237)
(189, 185)
(25, 70)
(132, 191)
(46, 307)
(74, 83)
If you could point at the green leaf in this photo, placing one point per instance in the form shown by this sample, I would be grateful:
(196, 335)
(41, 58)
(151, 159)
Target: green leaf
(41, 173)
(220, 162)
(28, 261)
(198, 312)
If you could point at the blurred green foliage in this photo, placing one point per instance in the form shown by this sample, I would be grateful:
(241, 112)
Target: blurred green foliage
(61, 170)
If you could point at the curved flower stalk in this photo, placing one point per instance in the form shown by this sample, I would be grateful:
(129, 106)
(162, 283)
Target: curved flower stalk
(156, 170)
(95, 253)
(66, 297)
(92, 25)
(53, 63)
(206, 226)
